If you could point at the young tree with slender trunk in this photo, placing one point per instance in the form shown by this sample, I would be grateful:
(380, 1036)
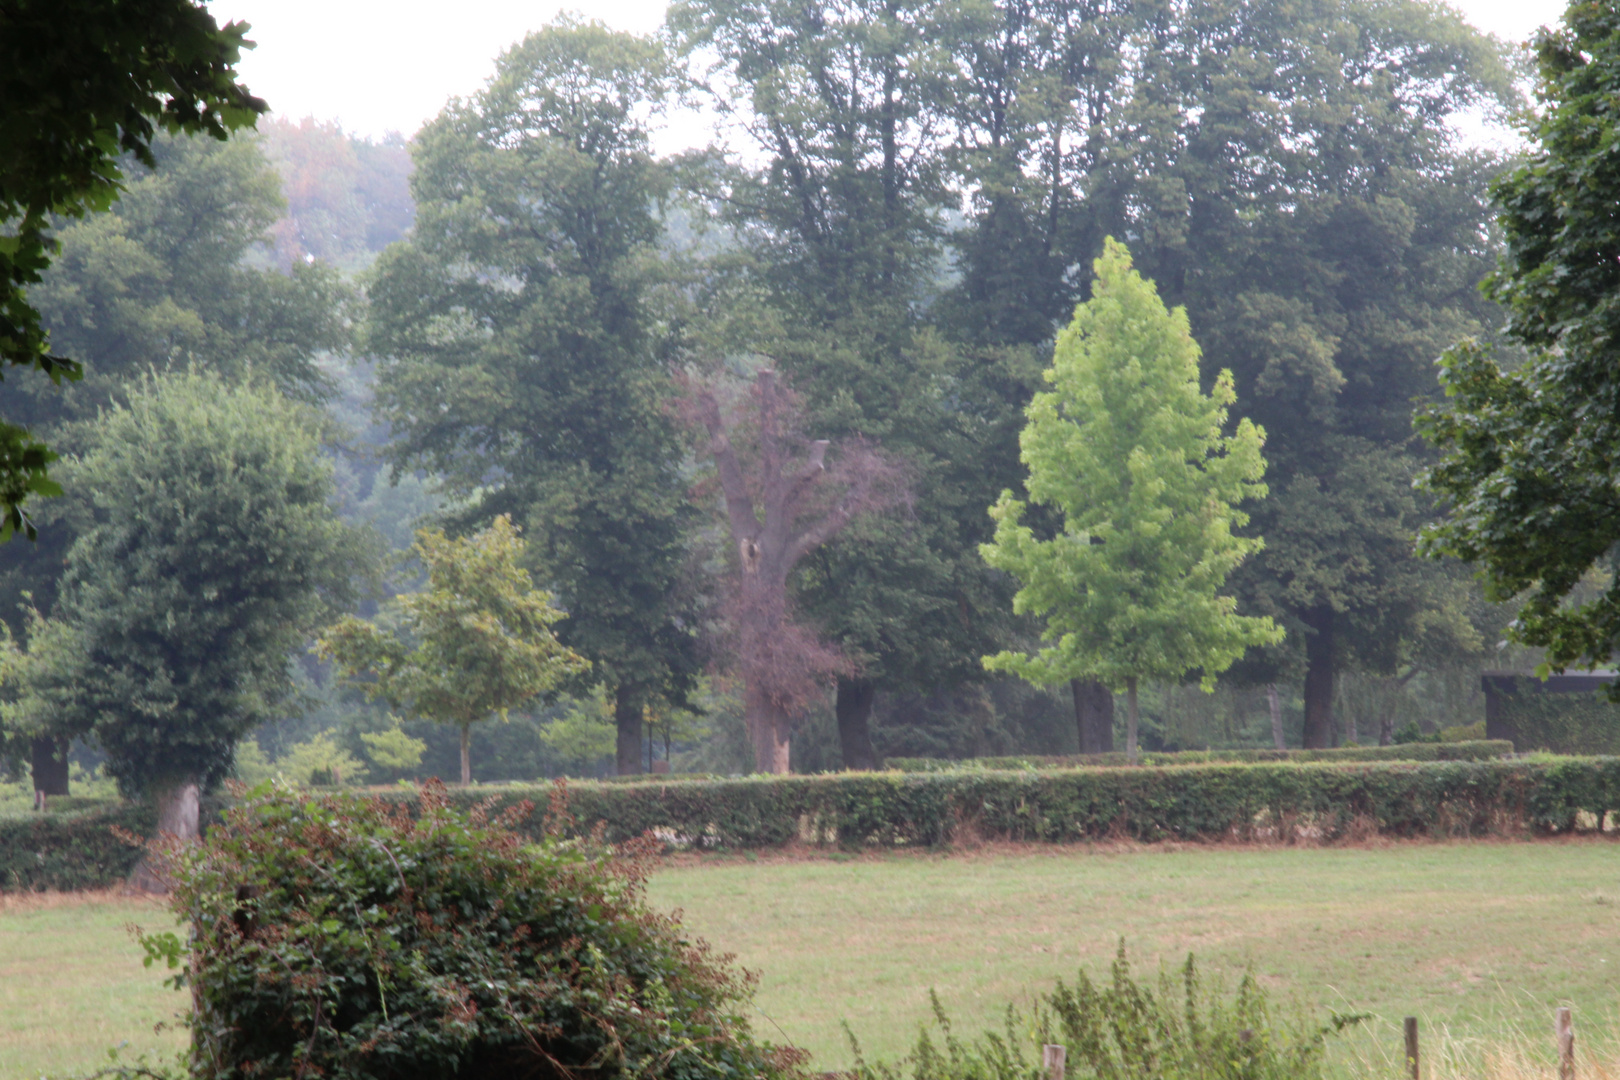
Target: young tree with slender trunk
(1131, 453)
(475, 643)
(787, 505)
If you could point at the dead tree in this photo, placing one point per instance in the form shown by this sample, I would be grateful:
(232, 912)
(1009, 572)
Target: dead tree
(786, 505)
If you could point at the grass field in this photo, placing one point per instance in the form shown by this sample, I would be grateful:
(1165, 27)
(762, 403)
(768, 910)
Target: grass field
(1481, 940)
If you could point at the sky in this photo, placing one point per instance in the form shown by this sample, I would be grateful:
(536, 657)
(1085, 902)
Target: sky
(377, 66)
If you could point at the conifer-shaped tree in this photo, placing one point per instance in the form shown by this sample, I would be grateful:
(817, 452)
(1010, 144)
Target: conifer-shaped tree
(1129, 453)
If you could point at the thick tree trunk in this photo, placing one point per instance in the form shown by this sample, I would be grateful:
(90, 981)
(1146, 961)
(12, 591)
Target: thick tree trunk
(1276, 717)
(49, 761)
(177, 807)
(767, 731)
(1318, 678)
(1130, 720)
(466, 755)
(627, 719)
(854, 711)
(1093, 716)
(1386, 728)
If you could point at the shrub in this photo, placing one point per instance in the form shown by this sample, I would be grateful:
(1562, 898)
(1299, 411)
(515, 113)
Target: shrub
(1475, 749)
(354, 939)
(1125, 1029)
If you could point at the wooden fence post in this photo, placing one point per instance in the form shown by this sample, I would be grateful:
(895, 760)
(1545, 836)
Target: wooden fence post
(1052, 1057)
(1566, 1045)
(1412, 1046)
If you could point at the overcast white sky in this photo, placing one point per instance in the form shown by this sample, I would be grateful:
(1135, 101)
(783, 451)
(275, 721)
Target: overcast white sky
(388, 65)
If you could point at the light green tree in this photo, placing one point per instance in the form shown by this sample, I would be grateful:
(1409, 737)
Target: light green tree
(475, 643)
(1128, 451)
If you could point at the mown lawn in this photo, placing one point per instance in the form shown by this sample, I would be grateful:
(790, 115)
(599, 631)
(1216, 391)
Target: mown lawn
(1480, 939)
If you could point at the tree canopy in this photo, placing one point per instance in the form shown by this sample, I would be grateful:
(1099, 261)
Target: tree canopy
(85, 83)
(1529, 454)
(1132, 455)
(521, 354)
(212, 551)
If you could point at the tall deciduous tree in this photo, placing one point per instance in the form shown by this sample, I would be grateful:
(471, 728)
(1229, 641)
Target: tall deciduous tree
(842, 229)
(1289, 174)
(520, 355)
(84, 82)
(1132, 454)
(1529, 455)
(475, 643)
(212, 552)
(782, 508)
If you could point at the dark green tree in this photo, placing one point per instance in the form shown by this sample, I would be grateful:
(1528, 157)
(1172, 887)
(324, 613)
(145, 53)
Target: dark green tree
(520, 354)
(1038, 83)
(212, 553)
(841, 227)
(161, 279)
(83, 83)
(1287, 172)
(1529, 455)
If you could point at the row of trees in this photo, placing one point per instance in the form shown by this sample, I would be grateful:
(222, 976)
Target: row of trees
(926, 186)
(1286, 172)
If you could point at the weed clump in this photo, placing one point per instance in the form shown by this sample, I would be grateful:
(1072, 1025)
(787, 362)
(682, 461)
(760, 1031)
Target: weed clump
(1126, 1029)
(352, 939)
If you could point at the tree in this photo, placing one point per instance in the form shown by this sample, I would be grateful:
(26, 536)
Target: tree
(520, 349)
(1528, 455)
(475, 643)
(157, 280)
(212, 552)
(83, 83)
(1131, 453)
(786, 506)
(840, 229)
(1291, 177)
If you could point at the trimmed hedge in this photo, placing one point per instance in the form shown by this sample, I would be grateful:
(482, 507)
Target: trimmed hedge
(1277, 802)
(71, 851)
(1473, 750)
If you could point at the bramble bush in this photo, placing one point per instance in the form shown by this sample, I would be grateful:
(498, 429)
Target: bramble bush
(357, 939)
(1126, 1029)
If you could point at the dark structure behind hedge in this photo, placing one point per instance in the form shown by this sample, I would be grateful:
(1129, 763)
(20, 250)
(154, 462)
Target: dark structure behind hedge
(1473, 750)
(1566, 714)
(1263, 802)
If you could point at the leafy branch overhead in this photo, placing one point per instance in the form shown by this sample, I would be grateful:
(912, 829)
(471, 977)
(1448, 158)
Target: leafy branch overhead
(84, 84)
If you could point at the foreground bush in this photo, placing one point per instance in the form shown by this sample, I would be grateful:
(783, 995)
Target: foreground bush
(352, 939)
(1125, 1029)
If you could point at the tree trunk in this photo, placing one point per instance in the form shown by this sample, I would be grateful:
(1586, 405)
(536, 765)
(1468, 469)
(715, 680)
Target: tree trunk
(767, 731)
(1386, 728)
(854, 711)
(1093, 716)
(627, 719)
(50, 765)
(177, 807)
(466, 755)
(1276, 717)
(1130, 720)
(1318, 678)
